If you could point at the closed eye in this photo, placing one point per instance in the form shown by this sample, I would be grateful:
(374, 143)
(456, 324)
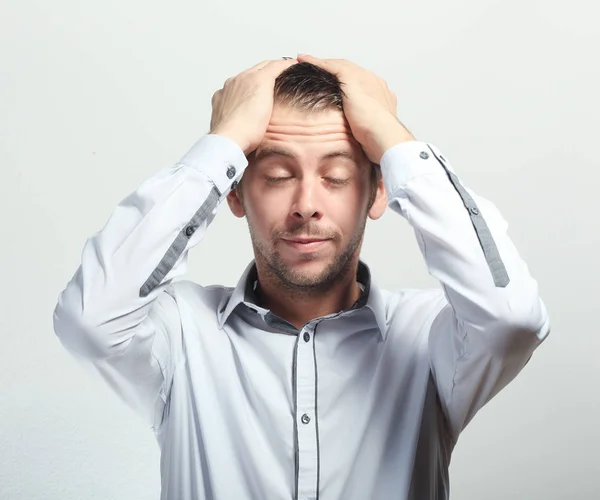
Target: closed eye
(337, 182)
(330, 180)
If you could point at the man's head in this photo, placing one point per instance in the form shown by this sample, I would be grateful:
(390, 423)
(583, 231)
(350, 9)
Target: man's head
(309, 187)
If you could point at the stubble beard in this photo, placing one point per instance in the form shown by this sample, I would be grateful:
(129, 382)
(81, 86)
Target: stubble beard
(306, 284)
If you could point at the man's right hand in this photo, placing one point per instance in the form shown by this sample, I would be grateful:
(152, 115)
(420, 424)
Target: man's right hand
(242, 108)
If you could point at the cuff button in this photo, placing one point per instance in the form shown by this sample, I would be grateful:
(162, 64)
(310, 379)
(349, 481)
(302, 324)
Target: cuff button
(230, 172)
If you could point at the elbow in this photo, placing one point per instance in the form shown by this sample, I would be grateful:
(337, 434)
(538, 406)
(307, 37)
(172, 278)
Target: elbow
(530, 318)
(74, 331)
(80, 333)
(520, 329)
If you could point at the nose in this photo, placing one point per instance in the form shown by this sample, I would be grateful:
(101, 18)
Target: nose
(306, 205)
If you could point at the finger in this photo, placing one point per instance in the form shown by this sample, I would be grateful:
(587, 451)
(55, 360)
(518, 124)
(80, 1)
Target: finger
(261, 64)
(275, 67)
(332, 65)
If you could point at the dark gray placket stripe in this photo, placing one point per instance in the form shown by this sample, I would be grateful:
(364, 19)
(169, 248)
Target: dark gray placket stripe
(486, 240)
(178, 246)
(317, 411)
(295, 394)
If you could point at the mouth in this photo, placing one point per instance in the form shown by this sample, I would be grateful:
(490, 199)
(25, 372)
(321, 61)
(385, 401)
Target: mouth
(306, 244)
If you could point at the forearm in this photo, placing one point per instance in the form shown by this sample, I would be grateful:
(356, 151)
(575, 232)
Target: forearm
(493, 318)
(142, 247)
(464, 242)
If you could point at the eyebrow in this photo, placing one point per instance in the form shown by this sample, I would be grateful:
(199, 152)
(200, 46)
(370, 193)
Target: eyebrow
(271, 151)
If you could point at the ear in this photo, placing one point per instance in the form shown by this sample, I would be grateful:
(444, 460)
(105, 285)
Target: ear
(380, 203)
(235, 204)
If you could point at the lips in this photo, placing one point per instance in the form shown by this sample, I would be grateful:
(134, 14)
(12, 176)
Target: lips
(306, 244)
(305, 240)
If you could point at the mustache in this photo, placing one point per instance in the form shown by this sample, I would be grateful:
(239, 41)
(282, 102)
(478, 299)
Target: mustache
(306, 231)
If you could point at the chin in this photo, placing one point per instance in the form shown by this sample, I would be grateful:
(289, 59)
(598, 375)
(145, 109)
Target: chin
(312, 263)
(308, 273)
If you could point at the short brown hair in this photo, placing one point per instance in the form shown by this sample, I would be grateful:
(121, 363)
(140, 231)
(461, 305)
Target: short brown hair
(307, 87)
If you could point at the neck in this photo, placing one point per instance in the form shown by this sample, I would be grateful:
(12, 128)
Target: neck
(298, 307)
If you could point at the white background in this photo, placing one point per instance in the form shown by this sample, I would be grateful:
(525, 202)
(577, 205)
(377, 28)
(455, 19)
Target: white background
(96, 97)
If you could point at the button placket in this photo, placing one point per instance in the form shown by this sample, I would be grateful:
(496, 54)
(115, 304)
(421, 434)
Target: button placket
(306, 387)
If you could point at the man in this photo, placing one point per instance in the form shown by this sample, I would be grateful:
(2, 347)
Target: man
(306, 380)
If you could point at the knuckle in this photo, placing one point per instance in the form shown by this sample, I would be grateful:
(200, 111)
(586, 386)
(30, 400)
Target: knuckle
(228, 81)
(216, 96)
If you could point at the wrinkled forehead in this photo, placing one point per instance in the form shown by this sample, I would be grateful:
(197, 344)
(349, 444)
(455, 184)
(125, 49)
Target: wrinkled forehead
(309, 131)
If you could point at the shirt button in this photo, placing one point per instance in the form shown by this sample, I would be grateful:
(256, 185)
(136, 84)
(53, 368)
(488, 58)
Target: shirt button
(234, 185)
(305, 419)
(230, 172)
(474, 211)
(189, 231)
(306, 336)
(424, 155)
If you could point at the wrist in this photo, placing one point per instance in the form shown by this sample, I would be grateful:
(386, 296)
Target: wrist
(233, 136)
(389, 133)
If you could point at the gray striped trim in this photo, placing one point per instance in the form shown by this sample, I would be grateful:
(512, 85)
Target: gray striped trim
(180, 243)
(317, 410)
(295, 395)
(486, 240)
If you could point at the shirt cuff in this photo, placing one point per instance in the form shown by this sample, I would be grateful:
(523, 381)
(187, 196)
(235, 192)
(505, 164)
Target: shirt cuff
(406, 161)
(219, 158)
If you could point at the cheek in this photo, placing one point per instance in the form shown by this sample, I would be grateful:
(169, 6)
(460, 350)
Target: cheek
(352, 202)
(261, 217)
(348, 210)
(349, 217)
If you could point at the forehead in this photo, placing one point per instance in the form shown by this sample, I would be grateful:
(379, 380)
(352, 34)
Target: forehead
(308, 132)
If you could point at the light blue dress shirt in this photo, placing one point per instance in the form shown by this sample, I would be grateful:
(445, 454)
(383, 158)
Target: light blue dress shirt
(366, 403)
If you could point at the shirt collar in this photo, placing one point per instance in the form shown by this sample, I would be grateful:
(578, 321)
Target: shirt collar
(371, 298)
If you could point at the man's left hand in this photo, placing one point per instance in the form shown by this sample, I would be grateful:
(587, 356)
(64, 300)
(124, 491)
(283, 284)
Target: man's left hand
(369, 106)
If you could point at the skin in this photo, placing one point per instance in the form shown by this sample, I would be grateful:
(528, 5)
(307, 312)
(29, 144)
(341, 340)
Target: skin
(306, 211)
(307, 189)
